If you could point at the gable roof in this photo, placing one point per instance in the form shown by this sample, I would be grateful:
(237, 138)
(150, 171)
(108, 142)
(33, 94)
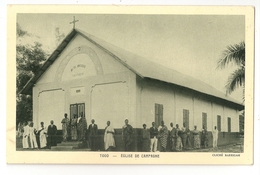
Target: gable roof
(139, 65)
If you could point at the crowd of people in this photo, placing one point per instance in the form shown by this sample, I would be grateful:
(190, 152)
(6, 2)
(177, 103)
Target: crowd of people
(152, 140)
(41, 138)
(74, 129)
(176, 138)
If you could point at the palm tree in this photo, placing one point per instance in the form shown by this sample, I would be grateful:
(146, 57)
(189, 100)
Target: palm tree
(234, 54)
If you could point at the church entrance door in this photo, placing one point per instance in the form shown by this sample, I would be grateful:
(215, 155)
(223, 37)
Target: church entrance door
(77, 109)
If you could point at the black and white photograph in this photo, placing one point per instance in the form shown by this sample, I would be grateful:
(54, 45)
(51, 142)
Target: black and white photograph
(133, 86)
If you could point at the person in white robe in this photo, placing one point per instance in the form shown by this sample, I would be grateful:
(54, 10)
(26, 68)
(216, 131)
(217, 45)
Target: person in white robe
(20, 130)
(25, 135)
(42, 134)
(32, 136)
(109, 140)
(215, 137)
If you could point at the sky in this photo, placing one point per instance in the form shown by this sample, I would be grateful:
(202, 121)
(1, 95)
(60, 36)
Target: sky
(190, 44)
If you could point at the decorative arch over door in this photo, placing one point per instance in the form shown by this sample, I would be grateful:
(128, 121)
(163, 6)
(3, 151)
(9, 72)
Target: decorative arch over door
(89, 52)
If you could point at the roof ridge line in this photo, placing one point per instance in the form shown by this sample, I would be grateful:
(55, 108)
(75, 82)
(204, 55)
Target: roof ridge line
(110, 53)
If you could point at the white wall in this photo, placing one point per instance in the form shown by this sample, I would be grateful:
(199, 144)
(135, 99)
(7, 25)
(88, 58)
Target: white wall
(174, 101)
(184, 101)
(201, 106)
(151, 95)
(110, 102)
(51, 107)
(234, 119)
(218, 110)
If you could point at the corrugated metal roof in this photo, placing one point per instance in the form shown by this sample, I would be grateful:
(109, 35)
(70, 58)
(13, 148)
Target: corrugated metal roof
(146, 68)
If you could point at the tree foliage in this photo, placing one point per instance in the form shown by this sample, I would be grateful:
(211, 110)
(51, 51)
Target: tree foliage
(29, 59)
(20, 32)
(234, 54)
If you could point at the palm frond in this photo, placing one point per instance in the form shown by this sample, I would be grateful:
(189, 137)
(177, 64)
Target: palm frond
(233, 54)
(236, 79)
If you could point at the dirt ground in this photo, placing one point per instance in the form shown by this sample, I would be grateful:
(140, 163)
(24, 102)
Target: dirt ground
(231, 148)
(234, 148)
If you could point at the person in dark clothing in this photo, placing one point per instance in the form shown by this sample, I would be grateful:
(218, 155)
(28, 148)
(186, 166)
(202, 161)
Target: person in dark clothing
(51, 134)
(204, 137)
(93, 132)
(127, 136)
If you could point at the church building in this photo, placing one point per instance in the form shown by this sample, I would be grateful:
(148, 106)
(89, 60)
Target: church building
(87, 74)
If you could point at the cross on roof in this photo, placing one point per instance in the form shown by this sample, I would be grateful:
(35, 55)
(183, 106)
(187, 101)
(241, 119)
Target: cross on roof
(73, 22)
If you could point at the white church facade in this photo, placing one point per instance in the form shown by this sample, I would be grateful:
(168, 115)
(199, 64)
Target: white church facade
(89, 75)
